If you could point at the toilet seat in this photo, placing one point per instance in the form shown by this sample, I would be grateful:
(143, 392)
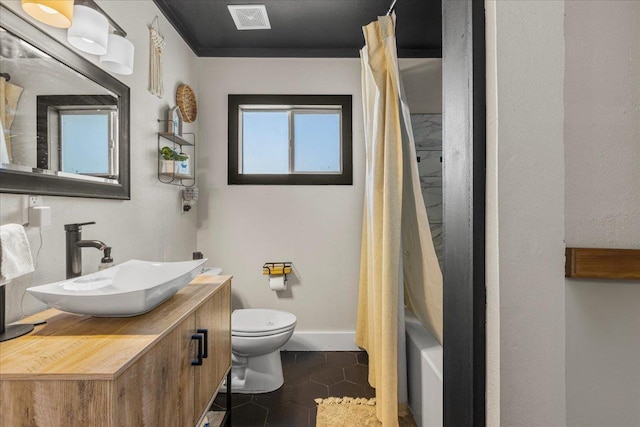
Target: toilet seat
(257, 335)
(254, 322)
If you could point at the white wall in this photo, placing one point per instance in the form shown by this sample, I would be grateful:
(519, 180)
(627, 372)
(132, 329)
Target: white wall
(318, 228)
(602, 146)
(422, 81)
(492, 260)
(150, 225)
(525, 213)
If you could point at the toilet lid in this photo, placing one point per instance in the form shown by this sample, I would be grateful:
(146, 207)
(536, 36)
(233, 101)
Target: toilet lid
(261, 321)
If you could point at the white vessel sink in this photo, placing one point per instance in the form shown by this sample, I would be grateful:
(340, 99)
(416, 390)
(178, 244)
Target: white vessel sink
(128, 289)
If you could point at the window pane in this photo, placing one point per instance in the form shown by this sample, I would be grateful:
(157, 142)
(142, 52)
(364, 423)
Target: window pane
(317, 142)
(265, 142)
(85, 143)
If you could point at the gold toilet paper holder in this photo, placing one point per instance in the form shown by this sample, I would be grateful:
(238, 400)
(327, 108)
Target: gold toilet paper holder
(276, 268)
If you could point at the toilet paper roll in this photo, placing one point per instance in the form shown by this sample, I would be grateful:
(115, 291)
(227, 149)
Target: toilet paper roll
(277, 283)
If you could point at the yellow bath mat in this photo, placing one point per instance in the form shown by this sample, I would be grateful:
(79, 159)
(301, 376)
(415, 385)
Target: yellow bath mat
(352, 412)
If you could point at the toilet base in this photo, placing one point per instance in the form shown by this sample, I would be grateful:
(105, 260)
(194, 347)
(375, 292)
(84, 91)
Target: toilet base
(256, 374)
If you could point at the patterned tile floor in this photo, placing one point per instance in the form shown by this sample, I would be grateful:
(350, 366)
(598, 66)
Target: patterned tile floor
(307, 376)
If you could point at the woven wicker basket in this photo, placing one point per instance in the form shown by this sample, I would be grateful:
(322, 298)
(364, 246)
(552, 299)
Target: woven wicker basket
(186, 101)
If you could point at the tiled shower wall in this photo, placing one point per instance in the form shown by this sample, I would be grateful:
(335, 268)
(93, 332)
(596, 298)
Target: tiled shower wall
(427, 131)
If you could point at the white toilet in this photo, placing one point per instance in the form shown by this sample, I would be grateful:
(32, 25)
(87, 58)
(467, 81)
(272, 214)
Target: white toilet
(256, 338)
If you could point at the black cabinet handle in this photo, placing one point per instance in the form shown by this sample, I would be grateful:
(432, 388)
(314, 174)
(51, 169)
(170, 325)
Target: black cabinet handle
(198, 361)
(204, 332)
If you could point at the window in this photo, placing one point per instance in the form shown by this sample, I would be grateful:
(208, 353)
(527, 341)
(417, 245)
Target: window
(290, 139)
(78, 134)
(88, 142)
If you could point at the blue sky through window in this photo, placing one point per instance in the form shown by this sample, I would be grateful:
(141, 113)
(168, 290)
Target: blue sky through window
(317, 142)
(265, 142)
(85, 143)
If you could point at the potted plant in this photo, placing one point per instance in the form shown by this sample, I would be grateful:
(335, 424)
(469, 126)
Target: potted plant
(169, 158)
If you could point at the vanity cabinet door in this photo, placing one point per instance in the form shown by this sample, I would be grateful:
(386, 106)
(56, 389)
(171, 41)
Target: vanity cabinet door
(157, 390)
(152, 391)
(185, 405)
(215, 316)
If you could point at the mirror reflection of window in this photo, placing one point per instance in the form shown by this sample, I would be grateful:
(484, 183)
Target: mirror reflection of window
(54, 78)
(78, 134)
(87, 142)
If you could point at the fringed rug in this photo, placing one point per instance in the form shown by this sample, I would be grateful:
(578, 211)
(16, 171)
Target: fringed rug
(352, 412)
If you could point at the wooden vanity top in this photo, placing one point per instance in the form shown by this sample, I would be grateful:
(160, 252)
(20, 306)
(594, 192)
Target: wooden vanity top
(71, 346)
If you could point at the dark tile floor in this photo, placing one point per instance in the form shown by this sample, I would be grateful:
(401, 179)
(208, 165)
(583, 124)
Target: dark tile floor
(307, 376)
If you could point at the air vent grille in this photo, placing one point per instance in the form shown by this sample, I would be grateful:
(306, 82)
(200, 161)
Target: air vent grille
(250, 17)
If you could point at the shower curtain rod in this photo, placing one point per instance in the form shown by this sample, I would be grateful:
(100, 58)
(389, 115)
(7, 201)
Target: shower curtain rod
(393, 6)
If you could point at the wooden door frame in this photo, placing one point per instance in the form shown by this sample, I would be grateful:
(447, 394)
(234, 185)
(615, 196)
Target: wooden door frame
(464, 146)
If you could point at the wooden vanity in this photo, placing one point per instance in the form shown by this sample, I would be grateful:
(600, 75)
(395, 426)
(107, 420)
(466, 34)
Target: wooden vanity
(138, 371)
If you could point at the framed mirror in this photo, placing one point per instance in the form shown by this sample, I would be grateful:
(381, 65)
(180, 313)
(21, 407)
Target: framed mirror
(64, 122)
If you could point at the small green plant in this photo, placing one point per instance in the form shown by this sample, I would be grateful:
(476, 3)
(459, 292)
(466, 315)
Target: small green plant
(169, 153)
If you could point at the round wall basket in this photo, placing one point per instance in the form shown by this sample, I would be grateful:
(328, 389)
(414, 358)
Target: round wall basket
(186, 100)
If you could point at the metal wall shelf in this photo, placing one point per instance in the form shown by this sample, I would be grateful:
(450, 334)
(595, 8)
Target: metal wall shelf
(177, 139)
(172, 177)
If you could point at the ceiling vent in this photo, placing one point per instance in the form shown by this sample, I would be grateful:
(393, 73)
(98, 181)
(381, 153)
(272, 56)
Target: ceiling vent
(250, 17)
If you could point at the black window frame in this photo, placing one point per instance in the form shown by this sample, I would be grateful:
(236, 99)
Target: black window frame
(343, 178)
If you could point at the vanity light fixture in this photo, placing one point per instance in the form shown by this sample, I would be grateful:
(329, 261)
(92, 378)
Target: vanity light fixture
(119, 56)
(89, 31)
(92, 35)
(57, 13)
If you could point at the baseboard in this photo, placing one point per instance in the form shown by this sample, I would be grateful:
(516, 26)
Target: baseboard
(322, 341)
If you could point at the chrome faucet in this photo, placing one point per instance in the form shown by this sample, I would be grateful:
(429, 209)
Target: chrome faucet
(74, 248)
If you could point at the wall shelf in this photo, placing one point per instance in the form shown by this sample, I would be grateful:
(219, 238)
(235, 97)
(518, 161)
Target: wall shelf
(168, 175)
(601, 263)
(176, 139)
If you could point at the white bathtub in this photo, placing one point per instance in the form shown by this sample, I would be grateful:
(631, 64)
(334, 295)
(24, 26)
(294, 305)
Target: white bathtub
(424, 366)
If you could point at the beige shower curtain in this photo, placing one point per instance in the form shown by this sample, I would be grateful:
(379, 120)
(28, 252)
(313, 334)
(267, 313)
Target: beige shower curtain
(377, 327)
(395, 225)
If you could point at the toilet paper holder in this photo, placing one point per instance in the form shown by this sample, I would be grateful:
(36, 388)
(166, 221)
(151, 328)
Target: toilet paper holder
(276, 268)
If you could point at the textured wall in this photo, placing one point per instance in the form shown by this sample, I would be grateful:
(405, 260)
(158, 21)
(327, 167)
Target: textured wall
(492, 256)
(422, 81)
(602, 158)
(318, 228)
(136, 228)
(525, 213)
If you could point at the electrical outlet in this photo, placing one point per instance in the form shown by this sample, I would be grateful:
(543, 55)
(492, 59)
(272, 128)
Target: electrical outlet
(35, 201)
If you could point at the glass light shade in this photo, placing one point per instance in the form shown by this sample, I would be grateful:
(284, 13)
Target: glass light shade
(57, 13)
(89, 31)
(119, 56)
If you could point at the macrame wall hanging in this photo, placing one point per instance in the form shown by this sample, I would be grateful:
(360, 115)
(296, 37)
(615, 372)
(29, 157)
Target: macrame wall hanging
(156, 45)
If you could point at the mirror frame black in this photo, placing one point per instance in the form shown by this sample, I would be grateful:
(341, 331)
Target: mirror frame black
(19, 182)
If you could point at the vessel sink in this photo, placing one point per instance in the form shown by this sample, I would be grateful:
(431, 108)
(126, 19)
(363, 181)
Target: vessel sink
(128, 289)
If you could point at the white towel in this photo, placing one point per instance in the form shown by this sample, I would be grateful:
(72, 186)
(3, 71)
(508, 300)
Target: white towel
(15, 253)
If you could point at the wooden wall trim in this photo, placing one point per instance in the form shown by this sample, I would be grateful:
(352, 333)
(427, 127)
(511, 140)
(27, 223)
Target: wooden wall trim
(602, 263)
